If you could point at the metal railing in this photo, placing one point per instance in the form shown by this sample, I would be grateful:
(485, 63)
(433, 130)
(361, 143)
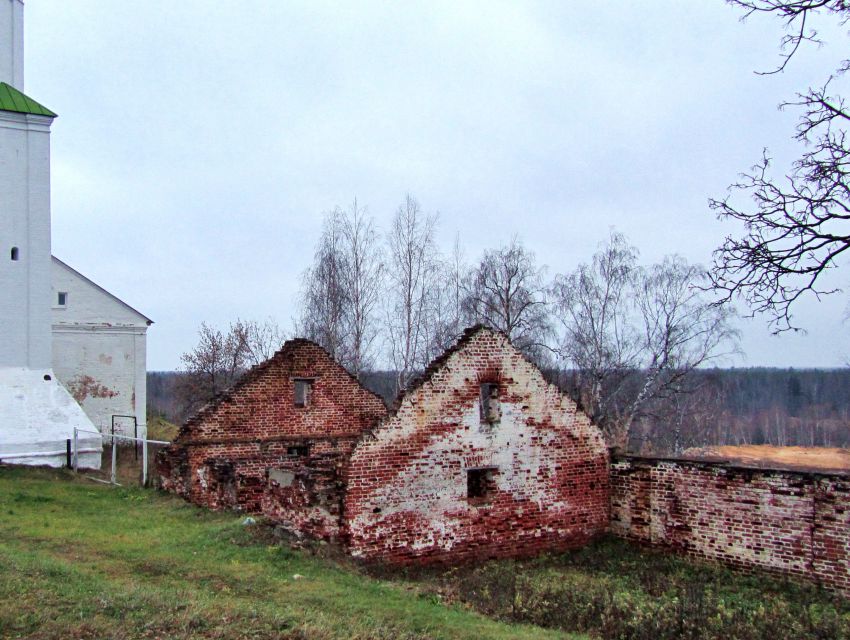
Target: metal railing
(75, 450)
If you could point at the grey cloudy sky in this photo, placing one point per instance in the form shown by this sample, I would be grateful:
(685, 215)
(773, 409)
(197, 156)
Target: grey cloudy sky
(199, 142)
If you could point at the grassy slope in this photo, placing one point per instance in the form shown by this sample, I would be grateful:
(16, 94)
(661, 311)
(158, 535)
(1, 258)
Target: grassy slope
(161, 429)
(82, 560)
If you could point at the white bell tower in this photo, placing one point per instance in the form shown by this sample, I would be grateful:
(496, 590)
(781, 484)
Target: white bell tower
(37, 414)
(12, 35)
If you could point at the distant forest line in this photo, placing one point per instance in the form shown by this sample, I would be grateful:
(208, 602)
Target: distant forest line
(781, 407)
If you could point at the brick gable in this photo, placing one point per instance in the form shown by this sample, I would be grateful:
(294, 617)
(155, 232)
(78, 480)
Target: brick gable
(221, 455)
(546, 465)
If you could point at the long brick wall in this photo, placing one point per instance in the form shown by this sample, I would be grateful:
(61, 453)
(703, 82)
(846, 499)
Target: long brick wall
(788, 522)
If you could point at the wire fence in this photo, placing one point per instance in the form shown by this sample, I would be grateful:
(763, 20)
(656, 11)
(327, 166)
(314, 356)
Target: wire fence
(125, 460)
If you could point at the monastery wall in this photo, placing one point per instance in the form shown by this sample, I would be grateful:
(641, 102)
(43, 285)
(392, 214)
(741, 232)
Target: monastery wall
(787, 522)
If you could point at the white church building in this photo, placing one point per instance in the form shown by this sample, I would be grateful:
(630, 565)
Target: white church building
(99, 351)
(56, 326)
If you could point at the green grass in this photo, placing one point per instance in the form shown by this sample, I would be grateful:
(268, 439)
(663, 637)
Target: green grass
(83, 560)
(614, 590)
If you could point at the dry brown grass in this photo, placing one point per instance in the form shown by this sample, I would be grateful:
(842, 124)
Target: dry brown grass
(798, 458)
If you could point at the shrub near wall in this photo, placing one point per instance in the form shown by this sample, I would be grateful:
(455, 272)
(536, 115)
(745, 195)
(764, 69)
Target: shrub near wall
(787, 522)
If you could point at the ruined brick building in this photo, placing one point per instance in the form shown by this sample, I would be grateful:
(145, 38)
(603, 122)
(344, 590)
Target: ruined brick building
(299, 414)
(481, 457)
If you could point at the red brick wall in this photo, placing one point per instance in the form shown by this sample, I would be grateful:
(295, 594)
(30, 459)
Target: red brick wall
(407, 482)
(220, 457)
(787, 522)
(306, 494)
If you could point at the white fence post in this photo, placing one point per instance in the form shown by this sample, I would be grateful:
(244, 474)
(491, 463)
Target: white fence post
(114, 460)
(114, 438)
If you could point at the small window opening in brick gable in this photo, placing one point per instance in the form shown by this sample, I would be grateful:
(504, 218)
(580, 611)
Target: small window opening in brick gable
(303, 392)
(480, 483)
(299, 450)
(62, 299)
(490, 410)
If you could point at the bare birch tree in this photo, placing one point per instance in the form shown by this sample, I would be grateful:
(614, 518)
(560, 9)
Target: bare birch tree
(681, 331)
(635, 334)
(412, 256)
(445, 304)
(506, 291)
(363, 281)
(593, 305)
(325, 298)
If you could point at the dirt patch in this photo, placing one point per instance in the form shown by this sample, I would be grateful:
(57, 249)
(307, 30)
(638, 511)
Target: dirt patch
(799, 458)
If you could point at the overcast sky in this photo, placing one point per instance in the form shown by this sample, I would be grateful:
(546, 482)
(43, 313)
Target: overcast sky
(198, 142)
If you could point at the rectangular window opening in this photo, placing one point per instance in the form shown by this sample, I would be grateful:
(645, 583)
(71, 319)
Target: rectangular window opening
(490, 410)
(62, 298)
(303, 392)
(300, 450)
(480, 483)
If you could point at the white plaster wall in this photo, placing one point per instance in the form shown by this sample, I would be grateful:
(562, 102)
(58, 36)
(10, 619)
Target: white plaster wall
(25, 223)
(99, 351)
(37, 417)
(99, 369)
(12, 43)
(89, 304)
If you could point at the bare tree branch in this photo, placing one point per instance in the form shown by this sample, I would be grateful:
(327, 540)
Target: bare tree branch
(506, 291)
(798, 225)
(794, 14)
(412, 275)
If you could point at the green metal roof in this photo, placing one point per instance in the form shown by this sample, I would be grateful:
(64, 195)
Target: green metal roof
(13, 100)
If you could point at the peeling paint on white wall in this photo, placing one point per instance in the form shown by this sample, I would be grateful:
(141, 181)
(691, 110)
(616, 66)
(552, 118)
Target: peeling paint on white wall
(99, 350)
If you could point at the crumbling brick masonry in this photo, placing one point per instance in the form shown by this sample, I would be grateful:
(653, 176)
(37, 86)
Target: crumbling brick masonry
(787, 522)
(483, 458)
(290, 423)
